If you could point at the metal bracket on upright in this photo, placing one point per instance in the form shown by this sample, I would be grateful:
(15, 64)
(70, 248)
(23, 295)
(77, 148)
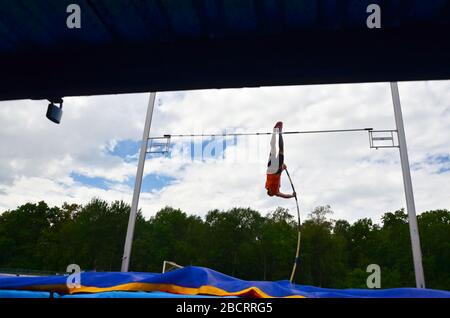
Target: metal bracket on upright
(159, 145)
(383, 139)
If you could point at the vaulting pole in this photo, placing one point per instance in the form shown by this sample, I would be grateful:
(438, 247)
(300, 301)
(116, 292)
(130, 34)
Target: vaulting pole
(137, 184)
(410, 206)
(297, 252)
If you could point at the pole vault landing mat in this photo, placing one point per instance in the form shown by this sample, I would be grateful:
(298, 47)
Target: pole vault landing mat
(189, 281)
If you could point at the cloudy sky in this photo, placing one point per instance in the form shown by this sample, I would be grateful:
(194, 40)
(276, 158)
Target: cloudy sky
(93, 152)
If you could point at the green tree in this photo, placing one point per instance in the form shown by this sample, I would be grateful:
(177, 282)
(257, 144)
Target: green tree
(94, 239)
(434, 228)
(20, 230)
(172, 235)
(239, 242)
(278, 241)
(233, 242)
(319, 255)
(395, 256)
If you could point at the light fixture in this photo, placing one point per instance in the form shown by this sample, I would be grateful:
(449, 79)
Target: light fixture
(54, 113)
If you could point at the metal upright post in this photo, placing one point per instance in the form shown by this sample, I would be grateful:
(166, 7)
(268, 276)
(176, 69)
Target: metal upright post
(410, 206)
(137, 184)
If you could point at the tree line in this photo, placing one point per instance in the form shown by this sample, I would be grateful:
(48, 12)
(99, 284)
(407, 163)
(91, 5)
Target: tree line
(240, 242)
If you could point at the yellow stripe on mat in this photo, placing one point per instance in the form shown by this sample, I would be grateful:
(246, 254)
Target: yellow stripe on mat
(169, 288)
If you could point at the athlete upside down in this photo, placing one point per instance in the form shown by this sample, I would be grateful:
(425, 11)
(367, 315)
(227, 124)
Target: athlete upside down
(276, 165)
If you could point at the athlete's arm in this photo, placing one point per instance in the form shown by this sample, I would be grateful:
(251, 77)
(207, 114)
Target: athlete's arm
(286, 196)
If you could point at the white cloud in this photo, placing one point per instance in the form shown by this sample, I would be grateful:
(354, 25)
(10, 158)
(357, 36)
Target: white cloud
(337, 169)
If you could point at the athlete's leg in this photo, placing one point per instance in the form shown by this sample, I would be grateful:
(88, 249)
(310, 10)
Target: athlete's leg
(272, 165)
(280, 144)
(273, 139)
(280, 153)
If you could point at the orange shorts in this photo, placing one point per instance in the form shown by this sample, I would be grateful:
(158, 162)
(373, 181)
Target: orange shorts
(273, 183)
